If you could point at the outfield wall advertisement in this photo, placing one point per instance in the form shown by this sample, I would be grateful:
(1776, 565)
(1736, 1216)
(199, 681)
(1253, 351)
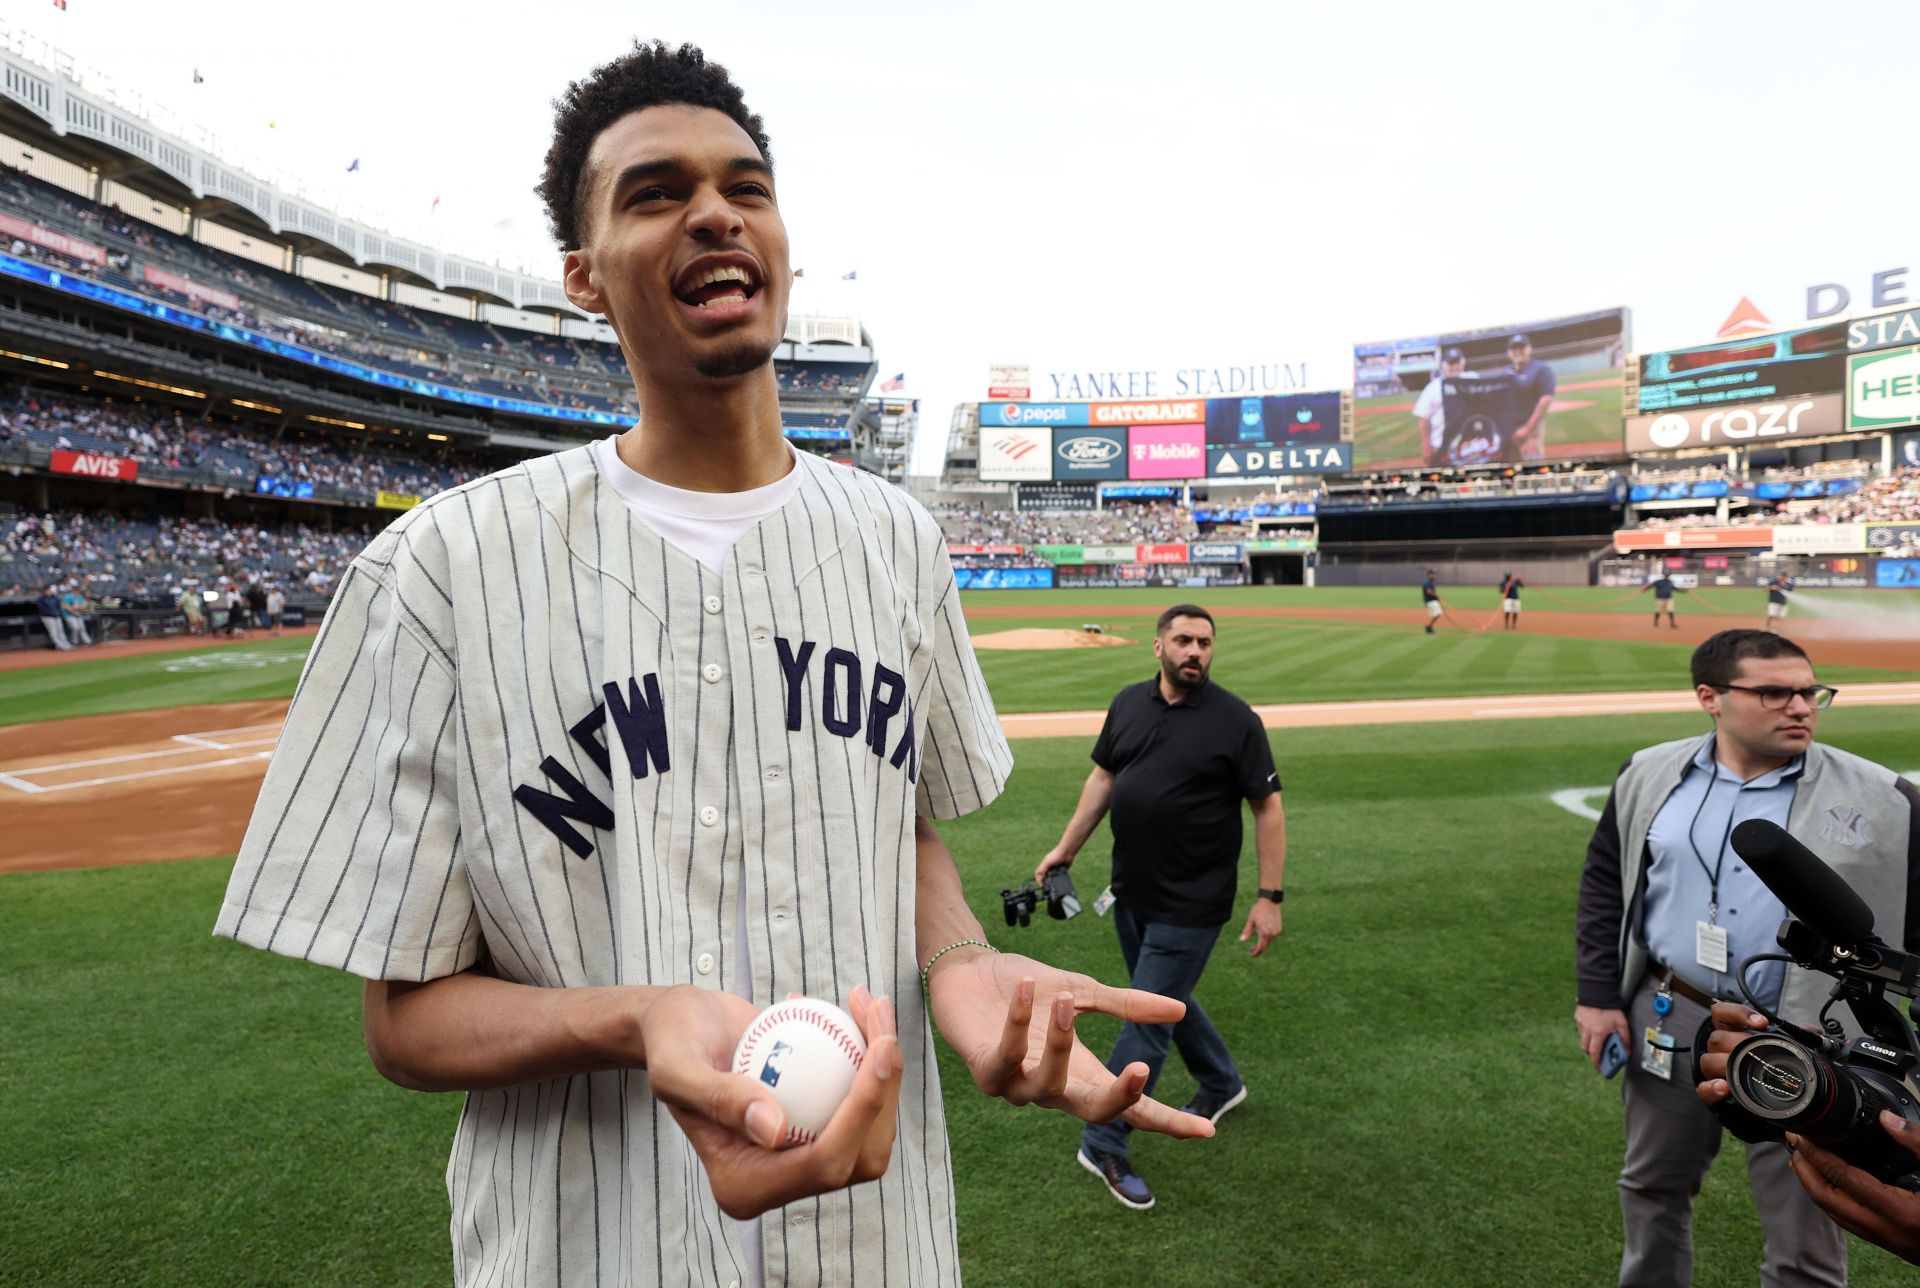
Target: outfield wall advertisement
(1499, 395)
(1115, 576)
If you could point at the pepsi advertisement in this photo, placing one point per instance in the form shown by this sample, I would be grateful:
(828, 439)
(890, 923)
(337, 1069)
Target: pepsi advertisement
(1276, 420)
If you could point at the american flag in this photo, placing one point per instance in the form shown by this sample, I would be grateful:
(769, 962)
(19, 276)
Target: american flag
(894, 383)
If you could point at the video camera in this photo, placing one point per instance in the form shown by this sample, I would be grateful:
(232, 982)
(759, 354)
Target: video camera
(1825, 1086)
(1056, 889)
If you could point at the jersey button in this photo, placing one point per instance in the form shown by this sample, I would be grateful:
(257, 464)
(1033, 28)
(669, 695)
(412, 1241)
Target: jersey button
(773, 773)
(704, 963)
(713, 672)
(713, 603)
(709, 815)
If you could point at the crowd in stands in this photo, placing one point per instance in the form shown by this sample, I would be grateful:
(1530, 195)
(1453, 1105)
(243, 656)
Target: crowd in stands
(1894, 498)
(1119, 523)
(418, 343)
(113, 559)
(227, 451)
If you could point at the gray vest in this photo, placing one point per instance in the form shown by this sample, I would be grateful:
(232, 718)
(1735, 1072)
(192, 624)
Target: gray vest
(1846, 809)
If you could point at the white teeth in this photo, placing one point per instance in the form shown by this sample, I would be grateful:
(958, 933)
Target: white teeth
(731, 273)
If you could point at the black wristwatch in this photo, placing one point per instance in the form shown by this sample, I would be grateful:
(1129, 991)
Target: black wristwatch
(1276, 894)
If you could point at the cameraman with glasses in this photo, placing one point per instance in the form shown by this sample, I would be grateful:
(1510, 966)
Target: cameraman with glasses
(1667, 910)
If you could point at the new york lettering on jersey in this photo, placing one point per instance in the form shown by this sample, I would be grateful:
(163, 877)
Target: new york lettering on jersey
(560, 744)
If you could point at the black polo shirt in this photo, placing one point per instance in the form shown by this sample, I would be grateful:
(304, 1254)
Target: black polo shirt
(1180, 771)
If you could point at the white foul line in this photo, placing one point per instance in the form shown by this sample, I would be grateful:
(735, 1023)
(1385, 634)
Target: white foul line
(190, 743)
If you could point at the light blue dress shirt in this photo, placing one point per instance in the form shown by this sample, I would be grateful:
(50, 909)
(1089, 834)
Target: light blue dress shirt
(1687, 843)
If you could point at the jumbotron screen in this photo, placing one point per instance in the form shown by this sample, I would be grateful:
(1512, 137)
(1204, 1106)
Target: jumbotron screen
(1499, 395)
(1746, 368)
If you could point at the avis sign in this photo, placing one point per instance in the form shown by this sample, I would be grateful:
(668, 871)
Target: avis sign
(117, 468)
(1883, 389)
(1734, 426)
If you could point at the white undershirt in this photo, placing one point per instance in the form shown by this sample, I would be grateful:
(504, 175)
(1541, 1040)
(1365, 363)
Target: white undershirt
(706, 525)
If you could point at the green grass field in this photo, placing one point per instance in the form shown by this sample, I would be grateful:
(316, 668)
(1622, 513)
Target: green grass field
(1262, 659)
(181, 1110)
(1387, 436)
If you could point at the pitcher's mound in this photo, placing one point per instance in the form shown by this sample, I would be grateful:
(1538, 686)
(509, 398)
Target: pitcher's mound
(1034, 638)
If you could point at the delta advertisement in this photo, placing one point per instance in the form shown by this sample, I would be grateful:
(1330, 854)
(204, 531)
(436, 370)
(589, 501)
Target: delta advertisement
(1499, 395)
(1284, 434)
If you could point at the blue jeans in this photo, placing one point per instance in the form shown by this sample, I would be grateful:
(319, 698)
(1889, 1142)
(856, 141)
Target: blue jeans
(1165, 959)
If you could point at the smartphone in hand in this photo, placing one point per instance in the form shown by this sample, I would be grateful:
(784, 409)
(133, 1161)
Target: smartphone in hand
(1613, 1056)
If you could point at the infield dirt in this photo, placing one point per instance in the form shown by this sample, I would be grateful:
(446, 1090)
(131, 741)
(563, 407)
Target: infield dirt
(179, 783)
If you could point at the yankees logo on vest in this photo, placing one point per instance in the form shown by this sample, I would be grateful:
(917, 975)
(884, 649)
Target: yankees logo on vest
(1846, 825)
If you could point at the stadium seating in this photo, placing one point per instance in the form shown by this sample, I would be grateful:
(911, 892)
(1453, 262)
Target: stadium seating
(219, 454)
(418, 343)
(146, 562)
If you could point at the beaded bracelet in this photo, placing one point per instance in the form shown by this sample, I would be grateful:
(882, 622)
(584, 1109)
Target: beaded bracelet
(927, 970)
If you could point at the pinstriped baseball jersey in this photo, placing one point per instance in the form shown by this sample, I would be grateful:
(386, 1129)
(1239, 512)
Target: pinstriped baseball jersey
(533, 735)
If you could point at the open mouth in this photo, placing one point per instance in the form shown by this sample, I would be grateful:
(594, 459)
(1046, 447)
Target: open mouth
(719, 285)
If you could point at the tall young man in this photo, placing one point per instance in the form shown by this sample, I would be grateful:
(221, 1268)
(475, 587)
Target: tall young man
(597, 756)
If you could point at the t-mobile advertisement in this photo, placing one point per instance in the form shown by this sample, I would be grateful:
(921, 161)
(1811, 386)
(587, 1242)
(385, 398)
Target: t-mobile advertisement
(1166, 451)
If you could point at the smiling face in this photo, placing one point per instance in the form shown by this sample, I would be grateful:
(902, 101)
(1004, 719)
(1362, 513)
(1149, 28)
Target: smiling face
(1760, 733)
(684, 252)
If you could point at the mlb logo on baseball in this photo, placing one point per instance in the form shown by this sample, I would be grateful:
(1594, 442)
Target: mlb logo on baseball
(808, 1052)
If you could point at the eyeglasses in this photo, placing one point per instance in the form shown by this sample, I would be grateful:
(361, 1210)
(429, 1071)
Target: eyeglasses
(1776, 698)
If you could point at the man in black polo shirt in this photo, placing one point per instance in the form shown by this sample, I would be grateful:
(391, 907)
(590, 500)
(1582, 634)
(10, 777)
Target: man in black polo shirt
(1176, 758)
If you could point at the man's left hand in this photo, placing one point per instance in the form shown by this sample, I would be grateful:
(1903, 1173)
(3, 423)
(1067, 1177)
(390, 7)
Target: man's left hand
(1011, 1018)
(1263, 925)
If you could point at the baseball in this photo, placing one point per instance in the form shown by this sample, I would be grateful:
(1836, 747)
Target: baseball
(807, 1051)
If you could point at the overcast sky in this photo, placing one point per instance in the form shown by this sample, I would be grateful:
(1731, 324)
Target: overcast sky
(1130, 186)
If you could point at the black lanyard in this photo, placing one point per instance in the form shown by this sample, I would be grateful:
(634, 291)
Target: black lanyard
(1720, 854)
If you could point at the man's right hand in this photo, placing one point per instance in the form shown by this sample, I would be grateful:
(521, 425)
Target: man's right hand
(1596, 1022)
(1055, 858)
(689, 1035)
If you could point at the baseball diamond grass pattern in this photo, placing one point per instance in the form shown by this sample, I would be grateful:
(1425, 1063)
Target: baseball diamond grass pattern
(182, 1110)
(1261, 659)
(256, 669)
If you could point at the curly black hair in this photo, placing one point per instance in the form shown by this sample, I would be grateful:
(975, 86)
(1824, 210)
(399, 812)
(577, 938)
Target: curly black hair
(651, 75)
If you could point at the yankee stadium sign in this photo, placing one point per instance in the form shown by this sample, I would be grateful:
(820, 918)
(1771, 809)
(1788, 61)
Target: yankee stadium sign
(1179, 382)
